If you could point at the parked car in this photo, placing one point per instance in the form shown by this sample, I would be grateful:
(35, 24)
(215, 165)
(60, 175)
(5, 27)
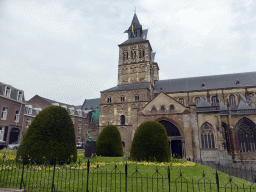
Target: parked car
(2, 145)
(14, 145)
(80, 145)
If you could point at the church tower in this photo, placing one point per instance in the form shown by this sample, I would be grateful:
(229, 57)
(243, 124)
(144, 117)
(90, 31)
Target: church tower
(135, 57)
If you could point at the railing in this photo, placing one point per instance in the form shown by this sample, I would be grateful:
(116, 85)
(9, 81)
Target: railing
(239, 112)
(52, 178)
(207, 109)
(246, 172)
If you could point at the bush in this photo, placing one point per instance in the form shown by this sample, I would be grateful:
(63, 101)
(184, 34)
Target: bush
(150, 143)
(109, 142)
(51, 134)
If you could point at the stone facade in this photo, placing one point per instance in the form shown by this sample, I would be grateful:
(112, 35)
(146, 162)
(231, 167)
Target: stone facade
(206, 118)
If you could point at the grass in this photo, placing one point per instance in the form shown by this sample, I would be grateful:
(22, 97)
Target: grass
(107, 173)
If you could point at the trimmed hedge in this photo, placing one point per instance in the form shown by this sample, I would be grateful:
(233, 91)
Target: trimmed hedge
(51, 134)
(150, 143)
(109, 142)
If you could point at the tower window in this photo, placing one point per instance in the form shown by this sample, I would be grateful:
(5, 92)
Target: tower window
(197, 99)
(214, 100)
(181, 101)
(133, 54)
(122, 120)
(162, 109)
(109, 100)
(141, 53)
(153, 110)
(137, 97)
(122, 99)
(125, 55)
(172, 110)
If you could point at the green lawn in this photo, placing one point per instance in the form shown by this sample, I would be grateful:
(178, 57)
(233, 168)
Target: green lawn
(108, 174)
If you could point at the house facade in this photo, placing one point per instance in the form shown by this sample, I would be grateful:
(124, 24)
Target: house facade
(210, 118)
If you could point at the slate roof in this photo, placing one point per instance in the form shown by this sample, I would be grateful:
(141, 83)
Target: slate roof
(135, 22)
(134, 40)
(210, 82)
(14, 92)
(91, 104)
(153, 54)
(223, 107)
(243, 105)
(144, 33)
(127, 87)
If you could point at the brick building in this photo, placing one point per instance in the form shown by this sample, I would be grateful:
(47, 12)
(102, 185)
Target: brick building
(12, 105)
(210, 117)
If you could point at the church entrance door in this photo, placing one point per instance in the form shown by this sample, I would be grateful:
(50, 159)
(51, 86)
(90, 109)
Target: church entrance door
(175, 138)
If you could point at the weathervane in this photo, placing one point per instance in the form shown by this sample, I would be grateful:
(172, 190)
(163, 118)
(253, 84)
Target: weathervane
(134, 9)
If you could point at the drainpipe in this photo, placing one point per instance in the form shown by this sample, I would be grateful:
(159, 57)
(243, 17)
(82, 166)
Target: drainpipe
(22, 123)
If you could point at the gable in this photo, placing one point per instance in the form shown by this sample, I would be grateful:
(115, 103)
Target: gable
(163, 100)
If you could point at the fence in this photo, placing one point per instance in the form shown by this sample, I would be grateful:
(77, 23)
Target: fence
(246, 172)
(88, 178)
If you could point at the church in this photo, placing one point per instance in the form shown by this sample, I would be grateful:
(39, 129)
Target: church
(209, 118)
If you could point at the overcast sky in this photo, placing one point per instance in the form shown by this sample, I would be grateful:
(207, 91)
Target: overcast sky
(67, 50)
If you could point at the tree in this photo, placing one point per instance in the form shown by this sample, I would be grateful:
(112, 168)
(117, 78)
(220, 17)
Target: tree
(109, 142)
(150, 143)
(51, 134)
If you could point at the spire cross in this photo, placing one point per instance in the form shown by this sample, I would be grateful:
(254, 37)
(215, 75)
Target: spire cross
(134, 9)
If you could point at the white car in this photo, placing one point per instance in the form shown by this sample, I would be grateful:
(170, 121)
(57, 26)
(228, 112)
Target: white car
(13, 145)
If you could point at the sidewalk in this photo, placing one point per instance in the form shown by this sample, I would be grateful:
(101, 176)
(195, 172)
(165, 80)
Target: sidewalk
(11, 190)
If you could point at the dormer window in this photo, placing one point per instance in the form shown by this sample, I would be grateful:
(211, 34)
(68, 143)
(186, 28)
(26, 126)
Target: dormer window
(203, 85)
(79, 112)
(237, 82)
(64, 106)
(19, 97)
(72, 111)
(17, 116)
(28, 109)
(7, 91)
(37, 110)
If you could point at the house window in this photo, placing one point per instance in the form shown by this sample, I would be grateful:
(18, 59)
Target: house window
(232, 100)
(122, 119)
(214, 100)
(17, 116)
(207, 137)
(122, 99)
(78, 139)
(181, 101)
(28, 122)
(137, 98)
(79, 113)
(79, 130)
(109, 100)
(197, 99)
(162, 109)
(73, 119)
(172, 110)
(7, 91)
(153, 110)
(123, 143)
(4, 113)
(80, 121)
(19, 98)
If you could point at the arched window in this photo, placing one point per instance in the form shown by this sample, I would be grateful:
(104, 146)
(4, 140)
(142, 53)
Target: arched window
(197, 99)
(246, 135)
(133, 54)
(153, 110)
(232, 100)
(123, 143)
(141, 53)
(162, 109)
(181, 101)
(122, 119)
(207, 137)
(214, 101)
(172, 110)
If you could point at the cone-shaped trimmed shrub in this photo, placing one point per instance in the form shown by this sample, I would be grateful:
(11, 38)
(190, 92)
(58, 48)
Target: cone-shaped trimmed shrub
(109, 142)
(150, 143)
(51, 134)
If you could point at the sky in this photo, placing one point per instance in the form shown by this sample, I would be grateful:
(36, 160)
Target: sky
(67, 50)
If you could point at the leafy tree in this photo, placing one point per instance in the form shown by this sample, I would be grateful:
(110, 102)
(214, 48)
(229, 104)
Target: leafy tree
(51, 134)
(109, 142)
(150, 143)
